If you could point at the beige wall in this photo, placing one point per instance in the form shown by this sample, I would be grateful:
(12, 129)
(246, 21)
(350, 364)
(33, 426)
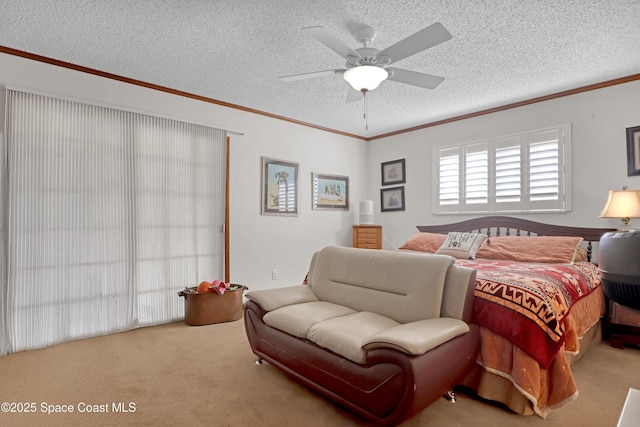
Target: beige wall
(262, 243)
(598, 119)
(258, 243)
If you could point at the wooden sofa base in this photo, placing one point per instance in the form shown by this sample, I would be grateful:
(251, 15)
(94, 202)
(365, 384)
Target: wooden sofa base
(392, 386)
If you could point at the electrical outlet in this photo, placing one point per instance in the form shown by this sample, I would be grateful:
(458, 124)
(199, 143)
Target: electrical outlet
(274, 274)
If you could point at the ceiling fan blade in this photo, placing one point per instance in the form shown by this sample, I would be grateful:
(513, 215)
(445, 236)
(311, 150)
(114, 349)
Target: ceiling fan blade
(353, 95)
(427, 81)
(313, 75)
(329, 40)
(424, 39)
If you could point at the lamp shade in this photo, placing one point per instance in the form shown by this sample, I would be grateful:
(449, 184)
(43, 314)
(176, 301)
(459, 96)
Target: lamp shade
(365, 77)
(624, 204)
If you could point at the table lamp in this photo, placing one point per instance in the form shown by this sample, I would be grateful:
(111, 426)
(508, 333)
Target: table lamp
(623, 204)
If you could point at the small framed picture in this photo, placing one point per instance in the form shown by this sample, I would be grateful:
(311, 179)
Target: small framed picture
(279, 187)
(633, 151)
(393, 172)
(392, 199)
(330, 192)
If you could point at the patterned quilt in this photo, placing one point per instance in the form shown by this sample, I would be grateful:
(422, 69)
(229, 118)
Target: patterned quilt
(528, 302)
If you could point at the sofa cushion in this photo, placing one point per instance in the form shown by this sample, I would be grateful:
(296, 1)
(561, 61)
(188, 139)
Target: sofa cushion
(457, 300)
(270, 299)
(296, 319)
(404, 286)
(417, 337)
(345, 335)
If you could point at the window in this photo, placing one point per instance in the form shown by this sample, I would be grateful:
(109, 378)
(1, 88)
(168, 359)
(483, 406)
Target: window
(526, 172)
(105, 215)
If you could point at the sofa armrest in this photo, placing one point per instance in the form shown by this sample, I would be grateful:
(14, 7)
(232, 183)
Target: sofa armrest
(270, 299)
(418, 337)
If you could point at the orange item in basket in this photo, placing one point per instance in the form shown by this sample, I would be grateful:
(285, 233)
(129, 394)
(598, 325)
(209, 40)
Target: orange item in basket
(204, 287)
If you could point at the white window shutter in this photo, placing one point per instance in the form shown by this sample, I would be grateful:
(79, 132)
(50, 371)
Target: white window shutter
(526, 172)
(508, 171)
(449, 177)
(477, 174)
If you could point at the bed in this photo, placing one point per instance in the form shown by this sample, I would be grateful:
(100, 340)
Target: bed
(538, 302)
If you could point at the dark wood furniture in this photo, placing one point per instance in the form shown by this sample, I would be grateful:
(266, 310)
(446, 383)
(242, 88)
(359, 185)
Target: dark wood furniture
(496, 225)
(621, 326)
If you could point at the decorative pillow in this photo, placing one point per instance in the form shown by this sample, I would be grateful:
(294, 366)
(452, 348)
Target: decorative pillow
(424, 242)
(581, 254)
(462, 245)
(546, 249)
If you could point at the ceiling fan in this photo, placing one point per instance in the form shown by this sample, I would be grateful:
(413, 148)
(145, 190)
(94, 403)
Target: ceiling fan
(367, 67)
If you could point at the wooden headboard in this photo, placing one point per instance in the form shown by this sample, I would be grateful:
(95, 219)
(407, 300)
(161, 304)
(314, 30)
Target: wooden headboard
(495, 225)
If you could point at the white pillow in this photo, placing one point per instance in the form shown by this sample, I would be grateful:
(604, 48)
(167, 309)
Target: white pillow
(462, 245)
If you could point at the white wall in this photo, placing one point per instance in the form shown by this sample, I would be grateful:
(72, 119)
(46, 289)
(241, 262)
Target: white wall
(261, 243)
(258, 243)
(598, 118)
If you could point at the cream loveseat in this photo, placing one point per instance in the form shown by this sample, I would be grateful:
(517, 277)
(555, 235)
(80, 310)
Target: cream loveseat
(381, 333)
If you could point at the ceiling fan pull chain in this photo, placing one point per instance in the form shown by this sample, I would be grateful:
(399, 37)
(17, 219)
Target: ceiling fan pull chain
(366, 110)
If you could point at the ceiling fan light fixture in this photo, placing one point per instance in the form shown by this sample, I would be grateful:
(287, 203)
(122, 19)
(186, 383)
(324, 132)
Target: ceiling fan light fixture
(365, 77)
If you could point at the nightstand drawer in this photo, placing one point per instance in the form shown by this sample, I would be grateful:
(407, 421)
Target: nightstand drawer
(368, 245)
(367, 236)
(368, 232)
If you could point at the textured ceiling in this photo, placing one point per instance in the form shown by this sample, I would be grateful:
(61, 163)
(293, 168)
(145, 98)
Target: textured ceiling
(502, 51)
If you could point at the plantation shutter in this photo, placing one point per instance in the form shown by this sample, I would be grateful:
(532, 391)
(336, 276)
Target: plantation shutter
(527, 172)
(544, 168)
(476, 174)
(449, 177)
(508, 171)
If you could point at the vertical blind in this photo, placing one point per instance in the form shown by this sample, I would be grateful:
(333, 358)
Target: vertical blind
(108, 214)
(4, 338)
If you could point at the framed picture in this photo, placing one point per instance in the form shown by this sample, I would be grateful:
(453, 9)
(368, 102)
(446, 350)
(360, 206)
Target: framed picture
(279, 187)
(633, 151)
(330, 191)
(392, 199)
(393, 172)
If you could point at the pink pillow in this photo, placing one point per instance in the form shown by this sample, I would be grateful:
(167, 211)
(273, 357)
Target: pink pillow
(548, 249)
(424, 242)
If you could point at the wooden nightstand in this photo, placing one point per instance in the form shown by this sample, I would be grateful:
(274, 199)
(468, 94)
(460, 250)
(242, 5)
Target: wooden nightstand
(367, 236)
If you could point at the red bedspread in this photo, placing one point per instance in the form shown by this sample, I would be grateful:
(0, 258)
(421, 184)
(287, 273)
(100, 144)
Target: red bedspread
(528, 302)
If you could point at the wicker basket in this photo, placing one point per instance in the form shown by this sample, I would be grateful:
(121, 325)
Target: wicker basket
(208, 308)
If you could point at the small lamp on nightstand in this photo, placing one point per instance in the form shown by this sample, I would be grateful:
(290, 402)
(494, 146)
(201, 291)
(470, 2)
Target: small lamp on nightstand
(623, 204)
(619, 254)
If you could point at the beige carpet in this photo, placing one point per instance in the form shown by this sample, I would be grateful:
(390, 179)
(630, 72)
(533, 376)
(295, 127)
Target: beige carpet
(206, 376)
